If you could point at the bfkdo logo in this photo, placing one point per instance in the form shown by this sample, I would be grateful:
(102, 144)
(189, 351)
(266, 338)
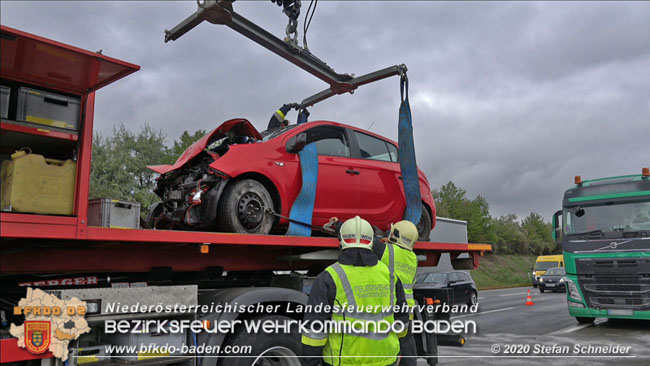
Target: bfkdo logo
(38, 335)
(50, 323)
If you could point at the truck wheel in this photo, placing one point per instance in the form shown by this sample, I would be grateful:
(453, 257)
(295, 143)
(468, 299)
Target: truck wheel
(270, 349)
(585, 319)
(243, 208)
(424, 225)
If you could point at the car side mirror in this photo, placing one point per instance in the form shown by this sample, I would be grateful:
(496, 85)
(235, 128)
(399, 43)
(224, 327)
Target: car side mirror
(296, 143)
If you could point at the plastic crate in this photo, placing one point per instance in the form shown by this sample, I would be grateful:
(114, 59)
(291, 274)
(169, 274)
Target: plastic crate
(4, 101)
(33, 183)
(49, 109)
(117, 214)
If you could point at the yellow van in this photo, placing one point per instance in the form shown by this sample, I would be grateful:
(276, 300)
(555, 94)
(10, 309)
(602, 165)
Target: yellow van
(543, 263)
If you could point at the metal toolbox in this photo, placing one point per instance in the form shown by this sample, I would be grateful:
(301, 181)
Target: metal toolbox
(118, 214)
(4, 101)
(49, 109)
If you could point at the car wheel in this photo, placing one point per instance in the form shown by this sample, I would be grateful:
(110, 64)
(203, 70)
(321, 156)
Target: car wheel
(243, 208)
(473, 299)
(424, 225)
(534, 286)
(270, 349)
(154, 219)
(585, 319)
(541, 290)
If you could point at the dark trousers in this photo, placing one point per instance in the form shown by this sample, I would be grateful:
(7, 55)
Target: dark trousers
(408, 350)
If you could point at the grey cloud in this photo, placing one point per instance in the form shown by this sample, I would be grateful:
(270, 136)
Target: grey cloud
(510, 100)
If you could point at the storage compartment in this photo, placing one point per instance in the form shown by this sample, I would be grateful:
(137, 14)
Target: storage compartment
(33, 183)
(107, 212)
(4, 101)
(47, 108)
(84, 355)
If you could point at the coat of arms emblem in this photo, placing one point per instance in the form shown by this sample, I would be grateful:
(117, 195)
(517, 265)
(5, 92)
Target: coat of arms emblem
(37, 336)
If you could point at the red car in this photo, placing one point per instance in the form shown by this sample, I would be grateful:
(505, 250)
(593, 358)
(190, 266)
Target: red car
(231, 177)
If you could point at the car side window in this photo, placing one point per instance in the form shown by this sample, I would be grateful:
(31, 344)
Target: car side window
(392, 150)
(453, 277)
(330, 140)
(372, 148)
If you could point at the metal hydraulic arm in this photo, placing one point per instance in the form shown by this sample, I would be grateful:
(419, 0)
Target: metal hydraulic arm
(221, 12)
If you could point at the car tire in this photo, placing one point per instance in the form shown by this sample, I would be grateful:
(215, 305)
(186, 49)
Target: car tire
(243, 206)
(424, 225)
(585, 319)
(152, 217)
(282, 350)
(473, 298)
(541, 290)
(534, 286)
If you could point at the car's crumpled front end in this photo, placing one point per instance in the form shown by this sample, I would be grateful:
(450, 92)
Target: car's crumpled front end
(189, 189)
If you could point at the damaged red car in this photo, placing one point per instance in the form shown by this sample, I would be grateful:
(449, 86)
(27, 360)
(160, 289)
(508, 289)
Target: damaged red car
(234, 178)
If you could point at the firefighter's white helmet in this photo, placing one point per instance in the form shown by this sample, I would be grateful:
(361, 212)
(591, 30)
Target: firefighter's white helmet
(404, 234)
(356, 233)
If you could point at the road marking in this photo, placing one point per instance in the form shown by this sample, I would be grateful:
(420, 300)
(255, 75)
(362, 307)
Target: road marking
(518, 293)
(484, 312)
(577, 327)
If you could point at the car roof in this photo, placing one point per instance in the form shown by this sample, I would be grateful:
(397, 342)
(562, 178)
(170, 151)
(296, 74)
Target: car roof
(338, 124)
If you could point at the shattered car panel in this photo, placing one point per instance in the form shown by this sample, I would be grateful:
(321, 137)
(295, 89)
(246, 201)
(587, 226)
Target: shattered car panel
(238, 127)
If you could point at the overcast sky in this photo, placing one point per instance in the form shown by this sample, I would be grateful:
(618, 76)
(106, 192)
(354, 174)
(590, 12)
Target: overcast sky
(510, 100)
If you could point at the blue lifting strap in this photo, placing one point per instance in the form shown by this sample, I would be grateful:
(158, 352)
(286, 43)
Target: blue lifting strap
(407, 163)
(303, 207)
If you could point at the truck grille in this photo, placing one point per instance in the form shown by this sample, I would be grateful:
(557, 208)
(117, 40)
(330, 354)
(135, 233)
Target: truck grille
(623, 291)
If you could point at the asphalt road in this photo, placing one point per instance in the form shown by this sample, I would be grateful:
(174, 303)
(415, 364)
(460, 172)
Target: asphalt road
(543, 334)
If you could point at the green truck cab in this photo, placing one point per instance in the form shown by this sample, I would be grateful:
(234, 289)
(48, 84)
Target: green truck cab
(604, 230)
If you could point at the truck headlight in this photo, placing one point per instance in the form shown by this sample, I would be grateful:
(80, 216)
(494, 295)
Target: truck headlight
(573, 290)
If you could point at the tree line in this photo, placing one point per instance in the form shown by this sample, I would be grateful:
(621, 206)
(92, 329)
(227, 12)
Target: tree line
(507, 234)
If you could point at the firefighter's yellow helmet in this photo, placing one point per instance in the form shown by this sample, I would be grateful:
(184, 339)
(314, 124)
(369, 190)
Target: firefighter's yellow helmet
(404, 234)
(356, 233)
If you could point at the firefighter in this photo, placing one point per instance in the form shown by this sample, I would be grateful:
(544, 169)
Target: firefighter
(397, 254)
(356, 281)
(278, 118)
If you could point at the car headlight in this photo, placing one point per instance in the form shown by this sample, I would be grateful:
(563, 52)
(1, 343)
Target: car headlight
(573, 290)
(562, 279)
(541, 279)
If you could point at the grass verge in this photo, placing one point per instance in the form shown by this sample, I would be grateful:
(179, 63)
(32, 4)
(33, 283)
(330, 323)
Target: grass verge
(503, 271)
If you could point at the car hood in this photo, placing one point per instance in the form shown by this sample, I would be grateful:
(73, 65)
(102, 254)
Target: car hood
(240, 126)
(553, 277)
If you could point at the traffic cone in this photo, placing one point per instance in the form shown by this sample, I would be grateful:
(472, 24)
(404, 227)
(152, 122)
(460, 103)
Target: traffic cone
(529, 300)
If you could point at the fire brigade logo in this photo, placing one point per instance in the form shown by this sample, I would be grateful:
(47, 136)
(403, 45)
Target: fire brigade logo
(38, 336)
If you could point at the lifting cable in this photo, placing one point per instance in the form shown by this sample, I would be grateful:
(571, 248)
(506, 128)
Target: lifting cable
(307, 23)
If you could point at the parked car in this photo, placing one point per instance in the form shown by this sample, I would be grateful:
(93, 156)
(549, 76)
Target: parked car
(552, 280)
(462, 287)
(232, 177)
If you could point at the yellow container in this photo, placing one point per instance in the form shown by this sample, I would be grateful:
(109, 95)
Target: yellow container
(33, 183)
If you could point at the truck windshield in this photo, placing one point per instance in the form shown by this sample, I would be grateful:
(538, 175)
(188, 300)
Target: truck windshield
(543, 266)
(609, 218)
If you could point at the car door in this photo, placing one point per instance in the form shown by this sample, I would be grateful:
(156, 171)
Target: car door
(382, 199)
(467, 286)
(338, 191)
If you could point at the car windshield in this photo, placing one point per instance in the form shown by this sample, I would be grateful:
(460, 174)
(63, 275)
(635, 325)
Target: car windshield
(439, 278)
(542, 266)
(610, 218)
(556, 272)
(275, 132)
